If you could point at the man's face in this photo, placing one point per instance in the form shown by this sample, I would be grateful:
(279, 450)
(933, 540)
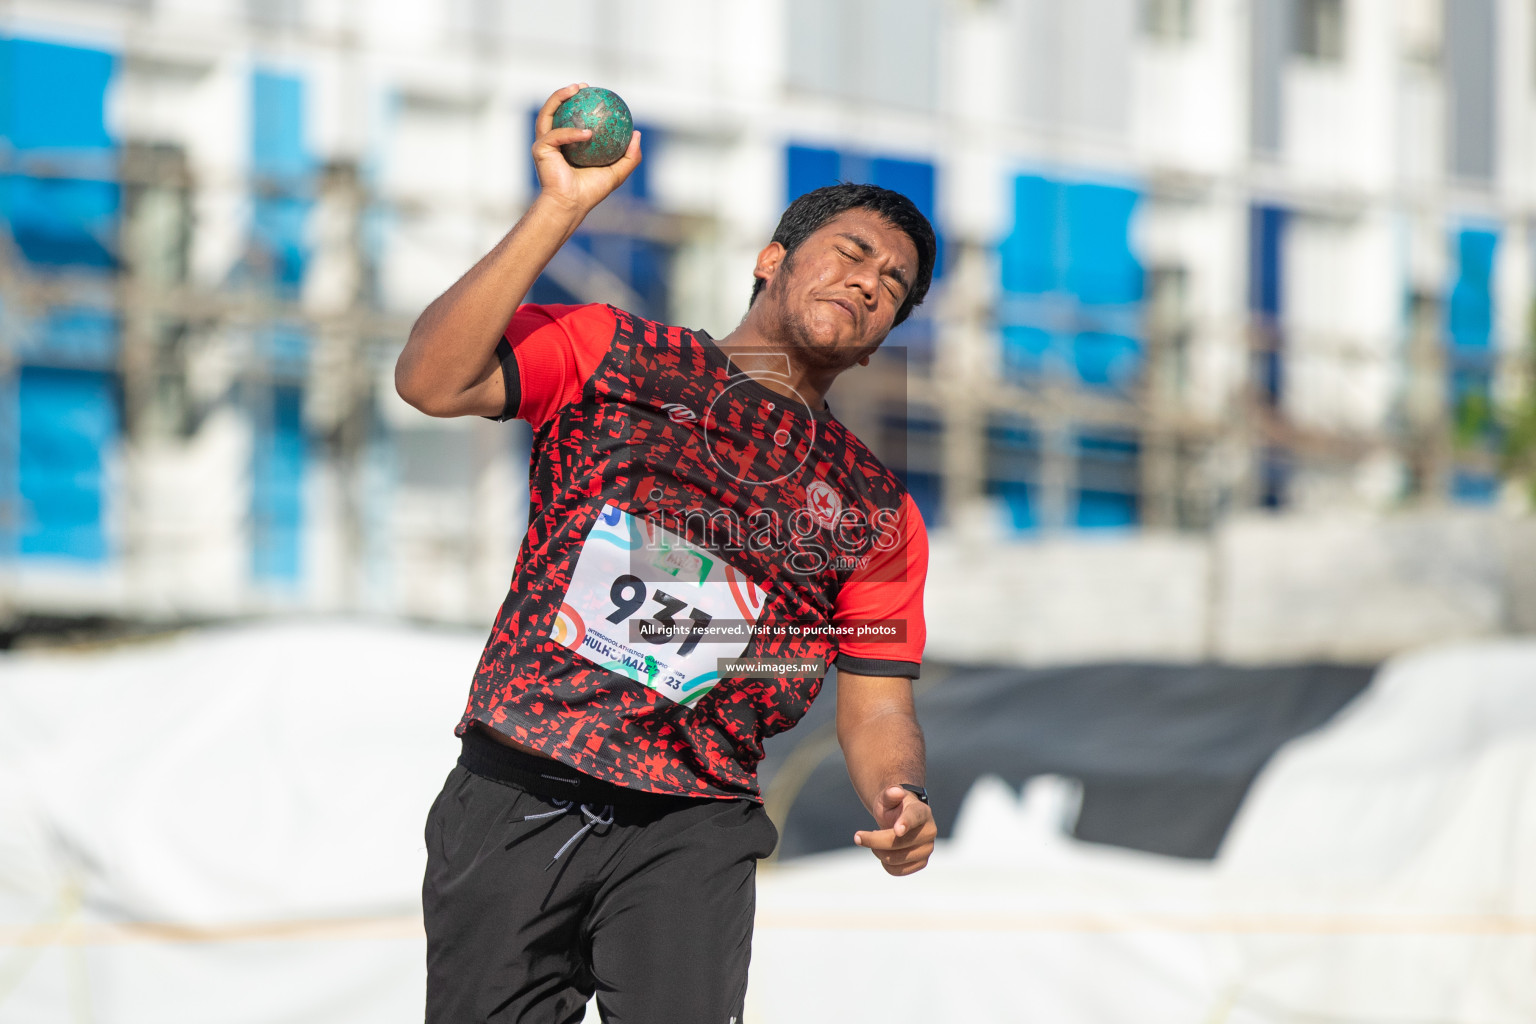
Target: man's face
(836, 298)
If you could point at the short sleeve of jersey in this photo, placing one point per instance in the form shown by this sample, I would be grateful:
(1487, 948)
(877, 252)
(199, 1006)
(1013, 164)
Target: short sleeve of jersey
(547, 355)
(879, 611)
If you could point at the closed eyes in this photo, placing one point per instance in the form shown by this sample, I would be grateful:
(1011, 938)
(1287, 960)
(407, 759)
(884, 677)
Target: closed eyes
(893, 286)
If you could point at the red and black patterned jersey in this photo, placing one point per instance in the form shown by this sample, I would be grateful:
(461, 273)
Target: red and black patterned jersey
(673, 491)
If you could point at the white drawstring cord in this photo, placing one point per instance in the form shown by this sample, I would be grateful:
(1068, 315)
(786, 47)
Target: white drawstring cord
(594, 818)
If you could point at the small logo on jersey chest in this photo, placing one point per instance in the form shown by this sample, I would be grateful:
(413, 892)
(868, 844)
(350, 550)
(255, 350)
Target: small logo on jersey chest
(679, 413)
(823, 503)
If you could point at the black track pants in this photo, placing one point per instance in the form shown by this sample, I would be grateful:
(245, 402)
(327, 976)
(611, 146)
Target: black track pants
(652, 911)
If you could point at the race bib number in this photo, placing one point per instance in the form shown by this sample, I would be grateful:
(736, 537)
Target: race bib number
(630, 571)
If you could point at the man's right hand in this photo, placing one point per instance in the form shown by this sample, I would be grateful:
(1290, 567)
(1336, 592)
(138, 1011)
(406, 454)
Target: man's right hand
(449, 366)
(578, 189)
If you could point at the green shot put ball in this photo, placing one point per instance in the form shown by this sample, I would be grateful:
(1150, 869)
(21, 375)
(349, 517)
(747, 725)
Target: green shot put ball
(608, 117)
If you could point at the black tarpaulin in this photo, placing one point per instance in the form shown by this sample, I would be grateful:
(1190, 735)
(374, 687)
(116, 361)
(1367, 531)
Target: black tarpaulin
(1164, 753)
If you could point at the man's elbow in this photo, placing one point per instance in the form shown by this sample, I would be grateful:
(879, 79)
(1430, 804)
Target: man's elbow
(416, 393)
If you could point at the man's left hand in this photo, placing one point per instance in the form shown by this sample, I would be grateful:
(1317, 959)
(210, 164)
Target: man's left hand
(905, 840)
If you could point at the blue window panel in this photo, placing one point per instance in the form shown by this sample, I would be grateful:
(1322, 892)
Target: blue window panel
(547, 292)
(1101, 269)
(62, 222)
(52, 100)
(1471, 397)
(1105, 510)
(1123, 449)
(1106, 360)
(638, 185)
(912, 178)
(913, 438)
(808, 168)
(917, 425)
(1013, 434)
(1071, 282)
(68, 425)
(277, 126)
(277, 480)
(1271, 374)
(916, 439)
(1266, 240)
(1266, 236)
(856, 167)
(10, 502)
(1274, 479)
(284, 347)
(1470, 310)
(1475, 251)
(279, 248)
(916, 336)
(1472, 378)
(1108, 480)
(279, 156)
(927, 491)
(52, 97)
(640, 263)
(1027, 351)
(1469, 323)
(1473, 488)
(1019, 502)
(1013, 451)
(1029, 255)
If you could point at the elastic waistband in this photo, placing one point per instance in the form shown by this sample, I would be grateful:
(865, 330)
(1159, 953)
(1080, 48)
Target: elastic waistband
(547, 778)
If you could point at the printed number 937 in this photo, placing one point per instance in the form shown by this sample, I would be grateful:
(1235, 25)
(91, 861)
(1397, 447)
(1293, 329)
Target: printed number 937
(628, 594)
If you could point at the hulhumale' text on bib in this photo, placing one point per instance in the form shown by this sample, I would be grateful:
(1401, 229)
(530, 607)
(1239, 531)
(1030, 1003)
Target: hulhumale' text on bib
(631, 572)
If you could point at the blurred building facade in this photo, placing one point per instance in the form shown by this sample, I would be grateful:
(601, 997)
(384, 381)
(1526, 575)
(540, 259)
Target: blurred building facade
(1200, 258)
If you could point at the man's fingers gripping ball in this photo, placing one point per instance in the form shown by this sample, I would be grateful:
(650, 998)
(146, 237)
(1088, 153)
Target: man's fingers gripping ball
(545, 120)
(603, 113)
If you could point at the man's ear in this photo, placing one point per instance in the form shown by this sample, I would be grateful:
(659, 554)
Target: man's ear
(864, 361)
(769, 261)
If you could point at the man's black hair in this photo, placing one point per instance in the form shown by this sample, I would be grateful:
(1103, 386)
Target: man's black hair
(811, 211)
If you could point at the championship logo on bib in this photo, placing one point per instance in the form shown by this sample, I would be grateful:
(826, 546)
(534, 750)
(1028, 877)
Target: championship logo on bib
(632, 576)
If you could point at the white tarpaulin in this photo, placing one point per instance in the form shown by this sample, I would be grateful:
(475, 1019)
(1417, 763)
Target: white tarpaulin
(1383, 870)
(225, 826)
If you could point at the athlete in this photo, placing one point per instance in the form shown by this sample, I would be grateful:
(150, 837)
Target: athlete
(704, 537)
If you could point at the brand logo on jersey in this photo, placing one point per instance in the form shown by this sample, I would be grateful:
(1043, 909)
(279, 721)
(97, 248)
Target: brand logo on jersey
(680, 413)
(824, 504)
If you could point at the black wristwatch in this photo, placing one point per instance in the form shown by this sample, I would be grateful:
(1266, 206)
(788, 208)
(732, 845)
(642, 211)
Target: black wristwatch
(922, 794)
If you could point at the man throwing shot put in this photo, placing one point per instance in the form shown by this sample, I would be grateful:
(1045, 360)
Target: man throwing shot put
(703, 534)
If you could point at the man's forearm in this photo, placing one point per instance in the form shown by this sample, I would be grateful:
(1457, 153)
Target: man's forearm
(455, 336)
(883, 750)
